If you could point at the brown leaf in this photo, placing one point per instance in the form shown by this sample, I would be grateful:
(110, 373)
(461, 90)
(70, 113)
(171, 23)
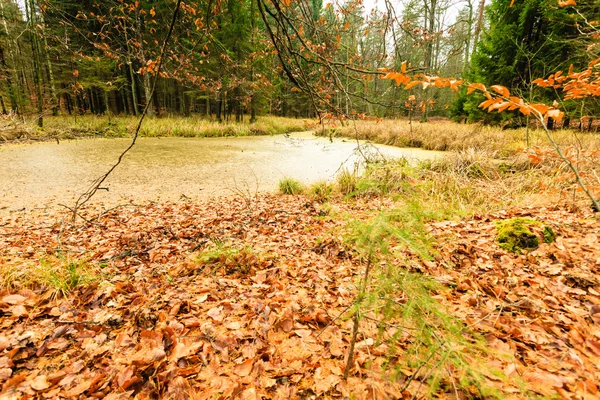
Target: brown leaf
(4, 342)
(244, 368)
(287, 324)
(78, 389)
(303, 333)
(179, 388)
(215, 313)
(5, 374)
(126, 377)
(14, 299)
(40, 383)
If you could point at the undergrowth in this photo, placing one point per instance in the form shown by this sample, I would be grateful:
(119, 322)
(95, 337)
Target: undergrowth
(230, 259)
(403, 311)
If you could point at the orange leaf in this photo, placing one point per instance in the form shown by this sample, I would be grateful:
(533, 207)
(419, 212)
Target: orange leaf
(503, 106)
(403, 68)
(475, 86)
(501, 90)
(412, 84)
(244, 368)
(556, 114)
(455, 84)
(567, 3)
(541, 108)
(525, 110)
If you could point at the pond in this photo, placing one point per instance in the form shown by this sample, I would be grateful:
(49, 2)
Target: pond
(41, 174)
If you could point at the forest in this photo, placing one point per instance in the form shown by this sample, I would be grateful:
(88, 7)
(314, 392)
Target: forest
(280, 199)
(228, 59)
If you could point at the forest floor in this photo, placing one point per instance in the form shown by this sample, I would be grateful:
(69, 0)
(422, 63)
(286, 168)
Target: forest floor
(252, 298)
(255, 296)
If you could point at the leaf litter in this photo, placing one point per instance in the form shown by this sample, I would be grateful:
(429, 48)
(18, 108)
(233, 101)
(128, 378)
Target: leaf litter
(263, 321)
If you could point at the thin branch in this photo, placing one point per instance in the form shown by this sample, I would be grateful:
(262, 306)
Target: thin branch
(88, 194)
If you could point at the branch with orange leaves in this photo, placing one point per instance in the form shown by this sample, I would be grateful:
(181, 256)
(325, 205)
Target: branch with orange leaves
(500, 99)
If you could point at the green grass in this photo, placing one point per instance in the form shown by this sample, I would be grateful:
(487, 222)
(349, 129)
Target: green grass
(61, 275)
(229, 258)
(290, 186)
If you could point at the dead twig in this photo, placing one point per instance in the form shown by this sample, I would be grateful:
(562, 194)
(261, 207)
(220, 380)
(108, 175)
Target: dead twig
(96, 185)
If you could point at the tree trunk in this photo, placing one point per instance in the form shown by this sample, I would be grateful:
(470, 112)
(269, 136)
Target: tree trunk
(53, 98)
(146, 76)
(13, 91)
(479, 25)
(37, 68)
(468, 40)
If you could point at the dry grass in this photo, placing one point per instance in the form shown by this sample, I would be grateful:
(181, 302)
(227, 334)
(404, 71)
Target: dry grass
(447, 135)
(60, 275)
(469, 182)
(65, 127)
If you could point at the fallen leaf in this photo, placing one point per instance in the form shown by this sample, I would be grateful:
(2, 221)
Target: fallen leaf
(40, 383)
(244, 368)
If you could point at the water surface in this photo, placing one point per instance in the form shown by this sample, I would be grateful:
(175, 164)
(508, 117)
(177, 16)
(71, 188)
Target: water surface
(40, 174)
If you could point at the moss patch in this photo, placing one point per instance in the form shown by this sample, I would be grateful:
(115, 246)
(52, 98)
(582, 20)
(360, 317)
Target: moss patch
(519, 234)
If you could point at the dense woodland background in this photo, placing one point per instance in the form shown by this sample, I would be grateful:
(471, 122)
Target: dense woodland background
(236, 58)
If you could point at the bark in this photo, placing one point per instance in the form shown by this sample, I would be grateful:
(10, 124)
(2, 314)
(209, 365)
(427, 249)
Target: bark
(468, 40)
(10, 75)
(37, 68)
(53, 98)
(146, 77)
(479, 25)
(132, 84)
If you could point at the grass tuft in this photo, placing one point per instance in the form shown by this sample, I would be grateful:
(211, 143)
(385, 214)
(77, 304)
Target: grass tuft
(347, 182)
(290, 186)
(321, 191)
(61, 275)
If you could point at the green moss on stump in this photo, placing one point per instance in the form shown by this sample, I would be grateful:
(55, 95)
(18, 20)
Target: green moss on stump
(519, 234)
